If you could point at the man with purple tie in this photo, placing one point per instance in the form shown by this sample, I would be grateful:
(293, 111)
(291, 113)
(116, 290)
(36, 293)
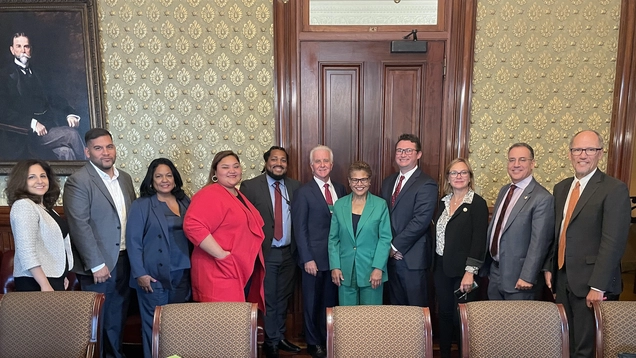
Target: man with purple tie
(520, 232)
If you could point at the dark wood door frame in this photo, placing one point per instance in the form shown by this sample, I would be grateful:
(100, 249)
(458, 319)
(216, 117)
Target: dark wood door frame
(460, 38)
(623, 126)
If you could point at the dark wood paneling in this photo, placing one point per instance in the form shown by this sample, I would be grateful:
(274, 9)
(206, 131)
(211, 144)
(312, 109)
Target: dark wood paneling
(623, 130)
(340, 114)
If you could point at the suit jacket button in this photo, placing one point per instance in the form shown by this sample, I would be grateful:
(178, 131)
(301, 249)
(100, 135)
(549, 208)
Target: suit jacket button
(117, 244)
(160, 265)
(354, 247)
(159, 236)
(160, 250)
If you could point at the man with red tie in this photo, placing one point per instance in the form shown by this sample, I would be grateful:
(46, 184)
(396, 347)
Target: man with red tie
(411, 196)
(271, 193)
(592, 227)
(520, 232)
(313, 205)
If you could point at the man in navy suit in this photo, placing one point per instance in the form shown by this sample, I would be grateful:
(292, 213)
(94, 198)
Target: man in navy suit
(279, 246)
(313, 205)
(411, 196)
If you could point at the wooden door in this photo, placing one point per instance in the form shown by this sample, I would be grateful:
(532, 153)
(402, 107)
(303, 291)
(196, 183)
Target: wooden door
(358, 97)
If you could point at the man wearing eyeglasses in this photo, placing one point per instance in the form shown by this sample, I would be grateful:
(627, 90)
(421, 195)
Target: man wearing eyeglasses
(411, 196)
(520, 232)
(592, 227)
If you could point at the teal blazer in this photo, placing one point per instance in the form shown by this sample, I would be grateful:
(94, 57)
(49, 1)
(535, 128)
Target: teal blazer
(369, 248)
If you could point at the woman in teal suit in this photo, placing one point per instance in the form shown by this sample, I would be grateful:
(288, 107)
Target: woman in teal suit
(359, 241)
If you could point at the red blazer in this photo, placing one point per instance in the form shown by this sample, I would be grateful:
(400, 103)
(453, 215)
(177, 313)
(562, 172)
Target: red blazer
(237, 229)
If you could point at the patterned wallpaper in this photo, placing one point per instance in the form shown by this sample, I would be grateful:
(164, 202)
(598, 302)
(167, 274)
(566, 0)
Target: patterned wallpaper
(544, 69)
(187, 78)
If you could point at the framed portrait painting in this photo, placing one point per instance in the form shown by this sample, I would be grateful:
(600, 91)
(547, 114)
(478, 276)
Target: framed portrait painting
(50, 81)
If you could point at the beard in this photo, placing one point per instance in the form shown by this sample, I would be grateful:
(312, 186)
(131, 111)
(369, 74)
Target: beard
(23, 58)
(274, 176)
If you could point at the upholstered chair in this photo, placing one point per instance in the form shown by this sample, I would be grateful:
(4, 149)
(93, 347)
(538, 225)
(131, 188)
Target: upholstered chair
(58, 324)
(205, 330)
(615, 328)
(379, 331)
(520, 329)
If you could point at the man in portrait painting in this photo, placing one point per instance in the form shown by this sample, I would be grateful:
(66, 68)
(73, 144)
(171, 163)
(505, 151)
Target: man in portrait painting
(34, 120)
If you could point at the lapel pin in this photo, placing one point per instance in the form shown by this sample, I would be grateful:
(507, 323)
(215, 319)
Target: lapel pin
(465, 210)
(525, 197)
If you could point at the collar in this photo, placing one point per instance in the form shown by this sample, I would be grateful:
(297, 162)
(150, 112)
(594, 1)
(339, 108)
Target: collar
(322, 183)
(585, 179)
(103, 174)
(408, 174)
(20, 64)
(271, 181)
(524, 183)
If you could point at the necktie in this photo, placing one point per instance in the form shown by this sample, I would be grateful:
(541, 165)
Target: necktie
(397, 191)
(494, 246)
(574, 198)
(278, 212)
(328, 197)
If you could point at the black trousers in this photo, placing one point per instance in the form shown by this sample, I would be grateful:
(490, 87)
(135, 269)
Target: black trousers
(445, 287)
(580, 318)
(280, 268)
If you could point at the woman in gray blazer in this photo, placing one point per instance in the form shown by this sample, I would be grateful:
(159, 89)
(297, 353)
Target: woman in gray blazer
(43, 254)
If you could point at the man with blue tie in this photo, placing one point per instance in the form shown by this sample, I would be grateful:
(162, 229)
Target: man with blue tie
(271, 193)
(313, 205)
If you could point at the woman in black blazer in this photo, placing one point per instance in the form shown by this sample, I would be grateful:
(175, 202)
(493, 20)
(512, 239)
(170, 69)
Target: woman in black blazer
(460, 246)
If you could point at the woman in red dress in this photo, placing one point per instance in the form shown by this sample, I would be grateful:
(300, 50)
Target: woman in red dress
(227, 233)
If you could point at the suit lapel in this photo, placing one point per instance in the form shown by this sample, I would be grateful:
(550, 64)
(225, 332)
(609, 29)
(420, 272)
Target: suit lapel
(158, 212)
(526, 195)
(590, 188)
(317, 191)
(345, 214)
(369, 207)
(265, 187)
(99, 183)
(406, 186)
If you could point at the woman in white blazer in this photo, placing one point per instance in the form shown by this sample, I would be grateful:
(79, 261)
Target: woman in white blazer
(43, 254)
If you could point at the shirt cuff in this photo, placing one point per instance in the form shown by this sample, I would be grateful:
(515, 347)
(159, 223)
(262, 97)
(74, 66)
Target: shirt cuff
(393, 247)
(596, 289)
(34, 122)
(97, 268)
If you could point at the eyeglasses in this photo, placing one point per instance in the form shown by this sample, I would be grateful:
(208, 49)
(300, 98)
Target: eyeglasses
(462, 173)
(521, 160)
(359, 180)
(588, 151)
(407, 151)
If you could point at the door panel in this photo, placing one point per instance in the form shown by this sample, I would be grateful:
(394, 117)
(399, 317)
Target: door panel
(357, 98)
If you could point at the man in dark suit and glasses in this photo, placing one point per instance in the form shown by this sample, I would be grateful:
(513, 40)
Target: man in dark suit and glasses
(411, 196)
(591, 231)
(272, 193)
(313, 205)
(29, 108)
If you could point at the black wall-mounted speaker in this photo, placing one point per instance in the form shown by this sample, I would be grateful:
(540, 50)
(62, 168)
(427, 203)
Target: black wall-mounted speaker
(408, 46)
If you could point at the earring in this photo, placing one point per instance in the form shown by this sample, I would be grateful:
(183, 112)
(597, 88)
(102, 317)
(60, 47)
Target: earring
(214, 179)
